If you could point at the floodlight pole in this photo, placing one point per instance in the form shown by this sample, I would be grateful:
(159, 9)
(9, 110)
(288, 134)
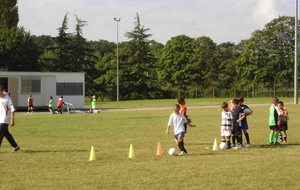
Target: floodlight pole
(117, 20)
(296, 55)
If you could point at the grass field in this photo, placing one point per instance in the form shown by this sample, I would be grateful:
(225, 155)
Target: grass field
(55, 150)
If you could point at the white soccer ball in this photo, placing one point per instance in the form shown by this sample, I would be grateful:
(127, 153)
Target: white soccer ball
(190, 119)
(247, 111)
(223, 145)
(172, 152)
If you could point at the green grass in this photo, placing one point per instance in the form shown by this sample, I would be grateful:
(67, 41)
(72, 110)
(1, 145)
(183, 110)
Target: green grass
(168, 102)
(55, 150)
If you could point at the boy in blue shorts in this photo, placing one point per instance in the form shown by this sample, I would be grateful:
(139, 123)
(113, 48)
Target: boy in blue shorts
(245, 126)
(177, 120)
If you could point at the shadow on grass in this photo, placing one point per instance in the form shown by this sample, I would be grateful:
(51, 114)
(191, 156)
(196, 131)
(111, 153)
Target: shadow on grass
(52, 151)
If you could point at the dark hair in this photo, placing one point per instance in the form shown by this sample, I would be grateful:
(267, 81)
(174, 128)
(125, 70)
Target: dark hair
(50, 97)
(180, 99)
(240, 98)
(2, 87)
(235, 101)
(224, 105)
(281, 102)
(275, 100)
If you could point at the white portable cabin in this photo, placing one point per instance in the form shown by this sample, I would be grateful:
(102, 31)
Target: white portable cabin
(42, 85)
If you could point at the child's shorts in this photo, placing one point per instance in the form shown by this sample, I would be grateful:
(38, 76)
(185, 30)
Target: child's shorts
(225, 132)
(245, 125)
(181, 133)
(283, 127)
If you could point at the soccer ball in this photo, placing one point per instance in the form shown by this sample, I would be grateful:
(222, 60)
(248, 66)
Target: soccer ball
(172, 152)
(190, 119)
(247, 111)
(223, 145)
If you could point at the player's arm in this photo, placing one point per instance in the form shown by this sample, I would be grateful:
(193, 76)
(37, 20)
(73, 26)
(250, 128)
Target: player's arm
(189, 124)
(241, 118)
(12, 118)
(168, 129)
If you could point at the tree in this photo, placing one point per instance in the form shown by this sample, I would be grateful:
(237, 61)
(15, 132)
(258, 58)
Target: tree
(9, 16)
(137, 70)
(174, 63)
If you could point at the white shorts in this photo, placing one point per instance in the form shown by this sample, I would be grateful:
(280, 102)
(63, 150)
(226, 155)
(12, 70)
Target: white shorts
(93, 107)
(225, 131)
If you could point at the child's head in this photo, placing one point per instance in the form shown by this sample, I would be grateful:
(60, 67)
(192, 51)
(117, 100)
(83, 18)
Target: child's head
(181, 101)
(29, 96)
(235, 103)
(280, 105)
(241, 99)
(275, 101)
(224, 106)
(176, 108)
(51, 97)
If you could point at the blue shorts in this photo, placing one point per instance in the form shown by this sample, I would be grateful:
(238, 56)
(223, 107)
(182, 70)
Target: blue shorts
(181, 133)
(244, 126)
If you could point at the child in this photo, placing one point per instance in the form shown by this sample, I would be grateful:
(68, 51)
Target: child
(183, 110)
(283, 122)
(244, 121)
(94, 102)
(273, 122)
(237, 117)
(50, 104)
(60, 104)
(30, 103)
(177, 120)
(226, 124)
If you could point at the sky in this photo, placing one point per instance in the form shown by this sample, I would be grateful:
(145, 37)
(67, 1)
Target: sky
(221, 20)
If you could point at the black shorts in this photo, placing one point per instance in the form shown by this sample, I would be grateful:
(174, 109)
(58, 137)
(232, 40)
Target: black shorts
(237, 130)
(274, 127)
(283, 127)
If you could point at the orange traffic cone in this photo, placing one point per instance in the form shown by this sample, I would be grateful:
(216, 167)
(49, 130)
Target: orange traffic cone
(159, 149)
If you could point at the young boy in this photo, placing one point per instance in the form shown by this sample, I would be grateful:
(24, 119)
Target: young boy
(283, 127)
(237, 117)
(30, 103)
(244, 121)
(273, 122)
(183, 110)
(60, 104)
(226, 124)
(177, 120)
(94, 102)
(50, 104)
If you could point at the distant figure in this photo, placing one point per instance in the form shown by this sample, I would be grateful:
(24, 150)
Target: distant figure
(226, 124)
(30, 103)
(94, 102)
(50, 104)
(60, 104)
(283, 122)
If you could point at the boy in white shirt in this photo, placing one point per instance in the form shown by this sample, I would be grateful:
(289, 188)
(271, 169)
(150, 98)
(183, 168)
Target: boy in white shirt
(177, 120)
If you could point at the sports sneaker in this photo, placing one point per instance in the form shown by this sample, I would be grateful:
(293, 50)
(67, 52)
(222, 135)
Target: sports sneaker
(240, 146)
(232, 145)
(17, 148)
(284, 142)
(182, 153)
(271, 143)
(248, 144)
(277, 143)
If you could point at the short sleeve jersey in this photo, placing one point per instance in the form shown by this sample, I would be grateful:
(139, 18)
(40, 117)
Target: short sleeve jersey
(94, 102)
(243, 107)
(60, 102)
(30, 101)
(274, 113)
(177, 121)
(285, 113)
(5, 109)
(183, 109)
(226, 119)
(236, 114)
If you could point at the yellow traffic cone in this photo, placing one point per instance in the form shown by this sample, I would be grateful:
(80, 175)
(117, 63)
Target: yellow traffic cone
(131, 151)
(215, 147)
(159, 149)
(92, 155)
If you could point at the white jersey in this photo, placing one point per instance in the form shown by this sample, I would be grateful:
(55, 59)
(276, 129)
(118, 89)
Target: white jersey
(226, 119)
(5, 110)
(177, 121)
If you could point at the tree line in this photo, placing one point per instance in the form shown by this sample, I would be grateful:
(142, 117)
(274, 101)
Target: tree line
(184, 66)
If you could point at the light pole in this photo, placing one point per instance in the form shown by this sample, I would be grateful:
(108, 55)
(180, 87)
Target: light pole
(117, 20)
(296, 55)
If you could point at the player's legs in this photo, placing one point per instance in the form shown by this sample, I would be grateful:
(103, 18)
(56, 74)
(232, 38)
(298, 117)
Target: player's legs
(10, 138)
(245, 131)
(179, 138)
(3, 127)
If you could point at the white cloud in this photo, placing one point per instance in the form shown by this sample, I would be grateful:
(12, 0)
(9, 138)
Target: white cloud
(221, 20)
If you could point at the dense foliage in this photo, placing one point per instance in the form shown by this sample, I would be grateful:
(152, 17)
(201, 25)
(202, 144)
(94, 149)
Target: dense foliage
(184, 66)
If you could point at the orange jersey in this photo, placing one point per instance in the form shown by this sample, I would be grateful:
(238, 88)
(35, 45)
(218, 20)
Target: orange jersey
(60, 102)
(183, 110)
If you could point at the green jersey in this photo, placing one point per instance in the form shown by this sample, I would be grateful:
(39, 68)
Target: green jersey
(94, 102)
